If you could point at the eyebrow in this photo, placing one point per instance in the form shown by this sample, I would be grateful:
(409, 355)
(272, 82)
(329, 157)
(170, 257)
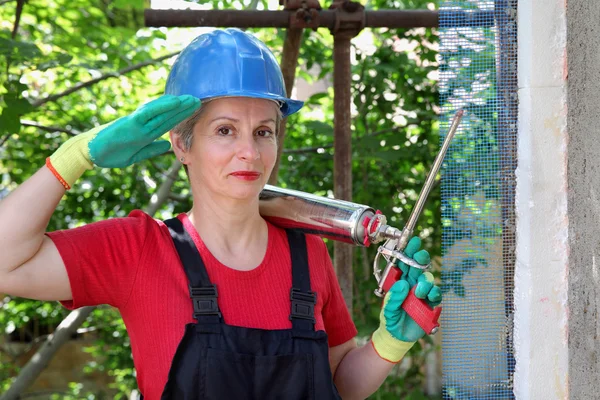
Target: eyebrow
(264, 121)
(227, 118)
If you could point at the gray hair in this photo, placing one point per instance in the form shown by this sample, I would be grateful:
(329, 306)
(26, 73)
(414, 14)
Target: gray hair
(185, 129)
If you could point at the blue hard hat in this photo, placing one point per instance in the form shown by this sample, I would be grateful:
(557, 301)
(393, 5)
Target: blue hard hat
(228, 63)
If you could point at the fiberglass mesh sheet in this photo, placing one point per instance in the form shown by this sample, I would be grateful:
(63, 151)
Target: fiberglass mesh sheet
(478, 73)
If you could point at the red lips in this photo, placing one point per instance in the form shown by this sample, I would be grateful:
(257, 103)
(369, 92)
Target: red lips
(246, 175)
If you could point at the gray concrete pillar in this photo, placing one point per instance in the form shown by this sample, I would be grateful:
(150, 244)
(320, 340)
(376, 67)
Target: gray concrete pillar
(583, 176)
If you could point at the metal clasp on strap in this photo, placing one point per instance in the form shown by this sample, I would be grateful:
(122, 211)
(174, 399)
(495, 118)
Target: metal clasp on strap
(303, 305)
(205, 301)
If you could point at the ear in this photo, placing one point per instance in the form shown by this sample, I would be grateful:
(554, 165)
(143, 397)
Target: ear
(178, 145)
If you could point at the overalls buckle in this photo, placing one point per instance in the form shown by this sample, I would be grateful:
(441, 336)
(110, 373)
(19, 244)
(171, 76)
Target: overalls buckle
(205, 301)
(303, 305)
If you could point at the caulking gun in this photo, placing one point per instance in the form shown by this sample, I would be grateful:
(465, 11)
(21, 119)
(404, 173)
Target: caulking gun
(361, 225)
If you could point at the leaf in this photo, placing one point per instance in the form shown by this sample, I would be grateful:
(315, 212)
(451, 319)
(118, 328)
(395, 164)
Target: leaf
(15, 86)
(387, 156)
(17, 105)
(57, 60)
(319, 127)
(9, 123)
(314, 99)
(19, 51)
(135, 4)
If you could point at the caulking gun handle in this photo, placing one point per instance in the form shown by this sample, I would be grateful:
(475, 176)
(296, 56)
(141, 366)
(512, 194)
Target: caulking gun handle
(422, 313)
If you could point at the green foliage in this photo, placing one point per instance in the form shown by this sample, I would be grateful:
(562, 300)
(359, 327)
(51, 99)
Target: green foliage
(62, 44)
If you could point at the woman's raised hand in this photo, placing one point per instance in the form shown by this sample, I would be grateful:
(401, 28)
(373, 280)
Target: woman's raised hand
(123, 142)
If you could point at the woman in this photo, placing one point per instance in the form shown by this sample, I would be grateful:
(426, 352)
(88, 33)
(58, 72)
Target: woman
(266, 319)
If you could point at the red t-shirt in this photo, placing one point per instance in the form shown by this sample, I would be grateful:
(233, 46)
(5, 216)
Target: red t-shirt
(131, 263)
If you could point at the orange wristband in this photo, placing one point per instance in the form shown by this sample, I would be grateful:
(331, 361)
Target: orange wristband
(56, 174)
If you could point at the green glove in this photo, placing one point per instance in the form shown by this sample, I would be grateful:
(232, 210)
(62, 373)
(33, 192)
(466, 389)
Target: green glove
(397, 331)
(123, 142)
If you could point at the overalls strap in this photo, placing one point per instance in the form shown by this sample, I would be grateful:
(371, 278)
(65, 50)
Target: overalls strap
(202, 291)
(303, 299)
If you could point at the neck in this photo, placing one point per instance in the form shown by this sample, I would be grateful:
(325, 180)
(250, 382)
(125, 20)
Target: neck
(230, 228)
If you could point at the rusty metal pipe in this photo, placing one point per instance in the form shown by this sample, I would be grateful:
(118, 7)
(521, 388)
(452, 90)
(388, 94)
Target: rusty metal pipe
(342, 158)
(402, 19)
(326, 19)
(217, 18)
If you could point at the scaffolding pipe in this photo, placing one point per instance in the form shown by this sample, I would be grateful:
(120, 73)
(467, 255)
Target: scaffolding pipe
(342, 158)
(326, 18)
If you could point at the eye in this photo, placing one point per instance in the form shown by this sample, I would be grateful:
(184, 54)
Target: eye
(225, 131)
(264, 133)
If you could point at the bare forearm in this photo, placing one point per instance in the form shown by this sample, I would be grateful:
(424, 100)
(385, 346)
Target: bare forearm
(24, 216)
(361, 372)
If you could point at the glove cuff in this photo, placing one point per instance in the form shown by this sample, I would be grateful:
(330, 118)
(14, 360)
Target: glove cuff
(71, 159)
(388, 347)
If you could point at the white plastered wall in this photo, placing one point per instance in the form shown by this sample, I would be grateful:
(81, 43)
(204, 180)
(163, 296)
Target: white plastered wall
(541, 324)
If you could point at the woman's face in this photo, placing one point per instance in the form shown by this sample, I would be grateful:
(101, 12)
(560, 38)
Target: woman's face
(234, 147)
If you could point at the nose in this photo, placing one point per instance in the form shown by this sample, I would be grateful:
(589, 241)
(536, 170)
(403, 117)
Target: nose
(247, 150)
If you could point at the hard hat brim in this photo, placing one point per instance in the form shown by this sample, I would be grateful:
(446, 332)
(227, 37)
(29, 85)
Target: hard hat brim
(287, 106)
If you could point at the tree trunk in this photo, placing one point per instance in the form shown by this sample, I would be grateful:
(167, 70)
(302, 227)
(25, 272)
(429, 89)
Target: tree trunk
(42, 357)
(289, 63)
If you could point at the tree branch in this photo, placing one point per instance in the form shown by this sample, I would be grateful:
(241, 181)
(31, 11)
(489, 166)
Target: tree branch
(330, 145)
(91, 82)
(34, 124)
(162, 194)
(43, 356)
(18, 12)
(9, 354)
(4, 139)
(32, 344)
(159, 169)
(306, 149)
(177, 197)
(50, 129)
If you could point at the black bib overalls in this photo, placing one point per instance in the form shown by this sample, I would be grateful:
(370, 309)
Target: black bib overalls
(218, 361)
